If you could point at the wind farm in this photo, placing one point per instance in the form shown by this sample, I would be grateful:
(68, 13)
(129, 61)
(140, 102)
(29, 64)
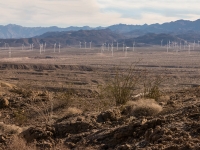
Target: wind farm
(65, 90)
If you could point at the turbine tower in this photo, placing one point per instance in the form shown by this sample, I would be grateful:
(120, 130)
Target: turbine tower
(45, 46)
(193, 45)
(133, 46)
(54, 47)
(126, 51)
(161, 42)
(85, 45)
(123, 47)
(22, 46)
(80, 44)
(32, 45)
(189, 50)
(112, 49)
(167, 48)
(90, 44)
(59, 47)
(9, 53)
(117, 45)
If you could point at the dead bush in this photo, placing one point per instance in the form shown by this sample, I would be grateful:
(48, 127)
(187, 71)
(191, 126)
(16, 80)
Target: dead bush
(142, 107)
(122, 85)
(10, 129)
(73, 111)
(17, 143)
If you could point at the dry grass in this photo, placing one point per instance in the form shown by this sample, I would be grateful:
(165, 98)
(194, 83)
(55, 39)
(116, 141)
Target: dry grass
(17, 143)
(73, 111)
(142, 107)
(10, 129)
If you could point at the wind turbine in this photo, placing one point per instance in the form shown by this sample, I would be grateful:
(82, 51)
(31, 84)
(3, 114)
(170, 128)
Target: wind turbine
(161, 42)
(112, 49)
(40, 48)
(90, 44)
(133, 46)
(59, 47)
(123, 47)
(126, 51)
(54, 47)
(193, 45)
(44, 46)
(167, 47)
(85, 45)
(9, 53)
(117, 45)
(80, 44)
(22, 46)
(169, 43)
(189, 50)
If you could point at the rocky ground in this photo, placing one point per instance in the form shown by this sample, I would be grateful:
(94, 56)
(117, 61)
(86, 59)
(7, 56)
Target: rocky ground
(173, 124)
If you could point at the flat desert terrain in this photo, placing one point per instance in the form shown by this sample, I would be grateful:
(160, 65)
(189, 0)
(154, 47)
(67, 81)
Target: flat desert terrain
(58, 93)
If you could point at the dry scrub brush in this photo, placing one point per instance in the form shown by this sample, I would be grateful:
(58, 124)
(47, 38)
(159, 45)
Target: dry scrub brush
(122, 85)
(142, 107)
(152, 86)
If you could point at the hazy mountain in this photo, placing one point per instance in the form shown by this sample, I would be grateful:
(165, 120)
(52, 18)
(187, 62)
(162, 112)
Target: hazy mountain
(151, 39)
(67, 38)
(16, 31)
(176, 27)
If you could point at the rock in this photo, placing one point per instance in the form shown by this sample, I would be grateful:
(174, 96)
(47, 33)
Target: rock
(4, 102)
(38, 133)
(2, 139)
(124, 147)
(109, 115)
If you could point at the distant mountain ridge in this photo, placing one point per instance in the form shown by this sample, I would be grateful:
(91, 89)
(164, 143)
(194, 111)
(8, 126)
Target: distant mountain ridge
(15, 31)
(175, 27)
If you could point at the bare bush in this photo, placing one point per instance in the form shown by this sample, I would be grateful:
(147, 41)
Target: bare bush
(73, 111)
(17, 143)
(10, 129)
(122, 84)
(142, 107)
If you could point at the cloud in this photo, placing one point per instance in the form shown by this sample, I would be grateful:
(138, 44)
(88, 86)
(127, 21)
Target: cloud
(65, 13)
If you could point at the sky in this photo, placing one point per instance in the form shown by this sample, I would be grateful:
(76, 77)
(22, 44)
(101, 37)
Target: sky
(94, 13)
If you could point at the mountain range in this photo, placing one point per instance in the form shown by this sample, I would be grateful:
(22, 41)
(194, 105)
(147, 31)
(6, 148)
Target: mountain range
(130, 31)
(177, 31)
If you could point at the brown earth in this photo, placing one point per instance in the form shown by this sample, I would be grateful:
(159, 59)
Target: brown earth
(53, 100)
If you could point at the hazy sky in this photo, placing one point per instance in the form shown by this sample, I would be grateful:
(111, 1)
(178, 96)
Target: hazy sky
(64, 13)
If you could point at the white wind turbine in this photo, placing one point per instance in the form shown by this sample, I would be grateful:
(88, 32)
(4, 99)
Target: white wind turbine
(126, 51)
(22, 46)
(85, 45)
(54, 50)
(123, 47)
(161, 42)
(9, 53)
(102, 48)
(90, 44)
(189, 49)
(117, 45)
(169, 43)
(59, 47)
(41, 48)
(133, 46)
(80, 44)
(45, 46)
(167, 47)
(193, 45)
(112, 49)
